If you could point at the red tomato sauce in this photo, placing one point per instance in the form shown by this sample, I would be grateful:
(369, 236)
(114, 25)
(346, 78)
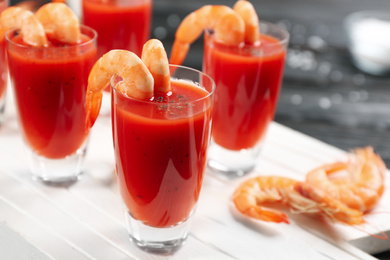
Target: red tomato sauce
(119, 25)
(160, 150)
(50, 88)
(247, 90)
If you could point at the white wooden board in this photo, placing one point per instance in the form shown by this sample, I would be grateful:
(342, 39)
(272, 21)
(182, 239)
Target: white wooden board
(85, 220)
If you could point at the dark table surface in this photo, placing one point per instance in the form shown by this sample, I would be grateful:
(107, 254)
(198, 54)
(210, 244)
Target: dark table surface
(323, 94)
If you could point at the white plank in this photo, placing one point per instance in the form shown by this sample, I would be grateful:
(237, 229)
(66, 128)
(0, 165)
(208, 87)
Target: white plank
(84, 221)
(16, 247)
(222, 218)
(45, 210)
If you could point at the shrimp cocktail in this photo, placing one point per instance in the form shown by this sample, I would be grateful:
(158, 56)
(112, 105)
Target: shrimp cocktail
(3, 66)
(50, 57)
(245, 57)
(120, 24)
(161, 121)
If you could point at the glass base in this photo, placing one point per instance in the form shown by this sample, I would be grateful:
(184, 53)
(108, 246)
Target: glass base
(57, 171)
(157, 240)
(232, 164)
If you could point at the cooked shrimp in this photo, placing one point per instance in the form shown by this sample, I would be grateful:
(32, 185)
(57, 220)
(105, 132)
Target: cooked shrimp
(248, 13)
(252, 193)
(155, 59)
(300, 197)
(329, 206)
(137, 80)
(59, 22)
(363, 186)
(227, 25)
(33, 33)
(18, 18)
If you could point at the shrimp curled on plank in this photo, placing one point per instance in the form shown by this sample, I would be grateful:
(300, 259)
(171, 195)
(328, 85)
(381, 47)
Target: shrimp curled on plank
(252, 193)
(363, 186)
(301, 197)
(330, 207)
(344, 199)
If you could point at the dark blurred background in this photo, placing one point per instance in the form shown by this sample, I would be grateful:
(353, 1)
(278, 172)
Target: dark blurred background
(323, 94)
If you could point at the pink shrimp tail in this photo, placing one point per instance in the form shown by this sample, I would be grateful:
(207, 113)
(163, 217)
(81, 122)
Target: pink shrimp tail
(179, 52)
(260, 213)
(160, 81)
(274, 216)
(94, 102)
(267, 215)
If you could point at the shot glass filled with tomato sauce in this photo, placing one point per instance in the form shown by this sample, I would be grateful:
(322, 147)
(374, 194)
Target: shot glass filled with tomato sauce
(248, 79)
(160, 151)
(50, 85)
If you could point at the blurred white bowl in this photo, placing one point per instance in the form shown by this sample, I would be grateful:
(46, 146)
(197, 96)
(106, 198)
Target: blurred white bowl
(368, 34)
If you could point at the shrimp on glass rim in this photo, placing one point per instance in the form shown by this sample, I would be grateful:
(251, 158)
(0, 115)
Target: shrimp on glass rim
(55, 20)
(363, 186)
(227, 25)
(155, 59)
(137, 80)
(137, 77)
(230, 26)
(59, 22)
(31, 29)
(248, 13)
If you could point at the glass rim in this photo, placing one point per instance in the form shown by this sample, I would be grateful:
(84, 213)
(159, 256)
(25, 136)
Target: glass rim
(210, 93)
(283, 41)
(82, 27)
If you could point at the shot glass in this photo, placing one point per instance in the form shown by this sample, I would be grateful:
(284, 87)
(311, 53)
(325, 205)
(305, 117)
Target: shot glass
(50, 85)
(120, 24)
(248, 80)
(3, 69)
(160, 152)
